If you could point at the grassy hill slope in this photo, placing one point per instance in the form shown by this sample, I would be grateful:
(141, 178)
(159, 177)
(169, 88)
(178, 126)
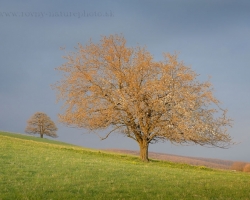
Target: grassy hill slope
(34, 168)
(207, 162)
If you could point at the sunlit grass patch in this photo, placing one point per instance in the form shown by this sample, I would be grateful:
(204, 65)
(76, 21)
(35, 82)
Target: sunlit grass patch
(31, 169)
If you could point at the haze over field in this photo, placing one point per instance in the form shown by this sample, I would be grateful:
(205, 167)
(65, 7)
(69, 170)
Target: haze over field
(212, 37)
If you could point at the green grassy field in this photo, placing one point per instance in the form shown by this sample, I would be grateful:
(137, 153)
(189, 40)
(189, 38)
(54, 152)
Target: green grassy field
(34, 168)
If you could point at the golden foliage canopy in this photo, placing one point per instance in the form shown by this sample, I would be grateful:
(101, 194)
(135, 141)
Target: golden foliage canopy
(108, 84)
(40, 123)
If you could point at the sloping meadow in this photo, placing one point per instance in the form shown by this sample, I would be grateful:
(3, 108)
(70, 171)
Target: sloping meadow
(34, 168)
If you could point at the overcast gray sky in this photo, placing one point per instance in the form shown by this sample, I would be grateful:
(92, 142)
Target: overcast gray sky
(211, 36)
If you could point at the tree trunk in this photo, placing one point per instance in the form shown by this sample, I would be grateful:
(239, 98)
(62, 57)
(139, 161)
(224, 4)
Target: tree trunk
(144, 151)
(41, 130)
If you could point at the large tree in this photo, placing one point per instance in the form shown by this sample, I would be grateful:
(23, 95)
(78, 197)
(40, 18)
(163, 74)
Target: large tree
(109, 85)
(40, 123)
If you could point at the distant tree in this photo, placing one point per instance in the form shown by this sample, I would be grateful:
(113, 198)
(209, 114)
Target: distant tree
(238, 166)
(109, 85)
(247, 168)
(41, 124)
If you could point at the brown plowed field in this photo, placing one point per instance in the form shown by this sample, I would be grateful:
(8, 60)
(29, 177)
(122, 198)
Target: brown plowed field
(208, 162)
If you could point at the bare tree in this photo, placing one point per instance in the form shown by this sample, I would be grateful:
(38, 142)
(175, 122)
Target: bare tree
(108, 85)
(238, 165)
(40, 123)
(247, 168)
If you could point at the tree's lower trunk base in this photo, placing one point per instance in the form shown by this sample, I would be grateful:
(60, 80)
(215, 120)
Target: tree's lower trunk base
(144, 159)
(144, 152)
